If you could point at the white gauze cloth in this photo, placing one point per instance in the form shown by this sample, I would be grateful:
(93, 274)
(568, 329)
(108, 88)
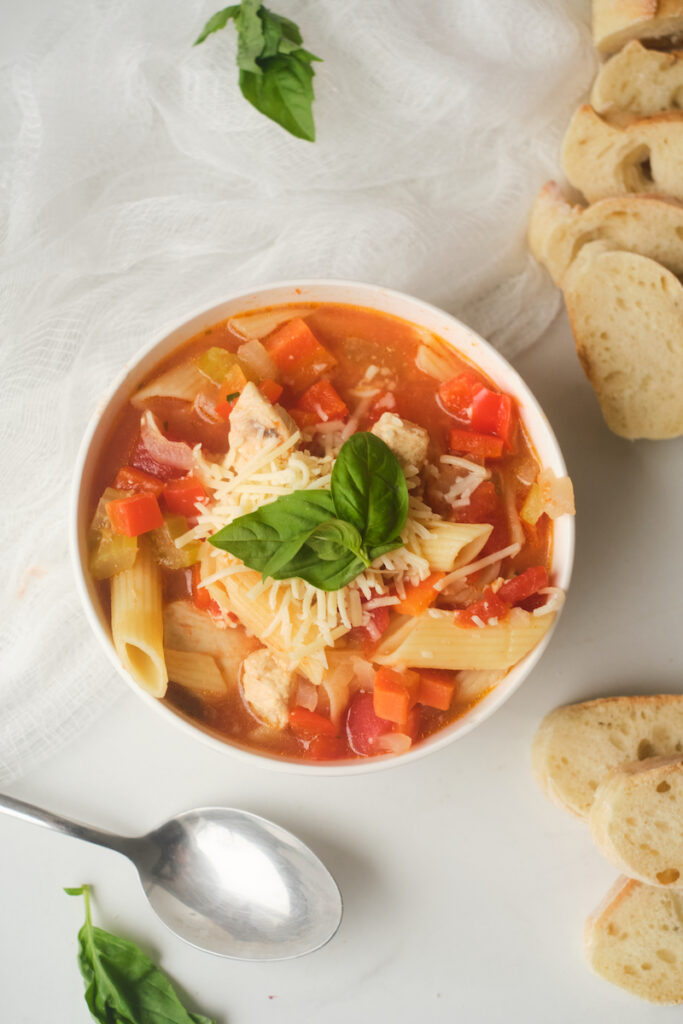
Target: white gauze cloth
(136, 184)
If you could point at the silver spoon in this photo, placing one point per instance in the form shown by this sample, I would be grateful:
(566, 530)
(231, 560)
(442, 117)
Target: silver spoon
(226, 881)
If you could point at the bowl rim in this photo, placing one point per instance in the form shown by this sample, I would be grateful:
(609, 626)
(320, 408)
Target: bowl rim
(553, 458)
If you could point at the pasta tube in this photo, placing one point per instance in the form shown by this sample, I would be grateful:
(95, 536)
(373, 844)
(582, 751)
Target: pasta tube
(137, 623)
(183, 381)
(196, 672)
(451, 545)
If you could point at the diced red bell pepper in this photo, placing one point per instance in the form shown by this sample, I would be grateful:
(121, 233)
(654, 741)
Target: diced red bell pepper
(322, 400)
(304, 420)
(489, 606)
(298, 354)
(436, 688)
(181, 496)
(129, 478)
(492, 413)
(363, 726)
(482, 446)
(310, 723)
(523, 586)
(271, 390)
(327, 748)
(456, 395)
(135, 515)
(395, 693)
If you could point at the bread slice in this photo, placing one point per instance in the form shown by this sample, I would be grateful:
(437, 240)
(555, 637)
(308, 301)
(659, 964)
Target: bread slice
(626, 313)
(635, 940)
(615, 22)
(649, 225)
(578, 745)
(639, 81)
(602, 158)
(637, 820)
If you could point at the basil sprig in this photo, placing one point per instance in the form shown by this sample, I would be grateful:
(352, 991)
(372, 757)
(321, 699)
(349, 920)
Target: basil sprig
(327, 537)
(276, 75)
(123, 986)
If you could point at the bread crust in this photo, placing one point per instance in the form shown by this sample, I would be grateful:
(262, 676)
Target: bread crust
(615, 22)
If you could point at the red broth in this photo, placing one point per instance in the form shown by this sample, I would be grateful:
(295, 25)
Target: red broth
(358, 339)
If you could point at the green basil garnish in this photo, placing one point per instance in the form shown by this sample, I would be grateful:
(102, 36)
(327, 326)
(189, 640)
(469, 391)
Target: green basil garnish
(123, 986)
(327, 537)
(275, 72)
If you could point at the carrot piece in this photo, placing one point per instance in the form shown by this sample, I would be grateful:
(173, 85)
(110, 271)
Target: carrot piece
(481, 445)
(200, 595)
(394, 694)
(135, 515)
(436, 689)
(310, 723)
(181, 496)
(129, 478)
(271, 390)
(322, 400)
(419, 596)
(298, 354)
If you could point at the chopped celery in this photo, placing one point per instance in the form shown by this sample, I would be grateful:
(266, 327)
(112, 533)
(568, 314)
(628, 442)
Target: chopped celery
(217, 363)
(100, 520)
(165, 552)
(109, 552)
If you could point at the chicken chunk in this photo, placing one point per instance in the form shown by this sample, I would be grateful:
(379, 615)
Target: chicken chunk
(408, 441)
(267, 685)
(255, 423)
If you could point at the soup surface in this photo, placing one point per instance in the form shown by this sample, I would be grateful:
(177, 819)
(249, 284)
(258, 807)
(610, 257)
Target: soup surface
(321, 535)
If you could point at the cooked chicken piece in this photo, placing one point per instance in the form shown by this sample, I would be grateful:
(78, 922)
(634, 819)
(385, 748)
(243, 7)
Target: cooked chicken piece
(407, 440)
(267, 685)
(255, 423)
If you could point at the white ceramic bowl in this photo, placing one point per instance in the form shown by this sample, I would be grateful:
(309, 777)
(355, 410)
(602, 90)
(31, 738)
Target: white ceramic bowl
(464, 341)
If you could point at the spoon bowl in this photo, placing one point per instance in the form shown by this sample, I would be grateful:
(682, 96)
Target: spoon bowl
(224, 880)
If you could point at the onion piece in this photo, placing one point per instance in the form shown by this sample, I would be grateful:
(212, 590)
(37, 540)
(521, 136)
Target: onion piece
(307, 695)
(393, 743)
(255, 358)
(557, 494)
(173, 454)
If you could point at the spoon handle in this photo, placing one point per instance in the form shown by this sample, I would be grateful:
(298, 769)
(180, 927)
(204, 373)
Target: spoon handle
(38, 816)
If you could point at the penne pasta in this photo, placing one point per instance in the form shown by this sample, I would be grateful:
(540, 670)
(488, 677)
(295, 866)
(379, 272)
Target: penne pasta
(435, 640)
(186, 628)
(137, 622)
(259, 325)
(451, 545)
(196, 672)
(183, 381)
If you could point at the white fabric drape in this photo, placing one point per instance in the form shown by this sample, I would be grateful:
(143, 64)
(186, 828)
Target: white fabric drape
(136, 184)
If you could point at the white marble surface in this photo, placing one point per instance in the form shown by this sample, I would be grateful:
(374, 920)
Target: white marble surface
(465, 891)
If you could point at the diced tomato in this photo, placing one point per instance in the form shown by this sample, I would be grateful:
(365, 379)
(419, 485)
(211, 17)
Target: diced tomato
(395, 693)
(298, 354)
(271, 390)
(327, 748)
(304, 420)
(482, 446)
(492, 413)
(201, 596)
(488, 607)
(486, 507)
(524, 586)
(384, 402)
(456, 395)
(181, 496)
(419, 596)
(135, 515)
(129, 478)
(322, 400)
(369, 635)
(436, 688)
(363, 726)
(310, 723)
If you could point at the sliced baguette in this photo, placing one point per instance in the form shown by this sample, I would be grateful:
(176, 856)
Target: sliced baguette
(635, 940)
(626, 313)
(637, 820)
(615, 22)
(649, 225)
(578, 745)
(645, 154)
(639, 81)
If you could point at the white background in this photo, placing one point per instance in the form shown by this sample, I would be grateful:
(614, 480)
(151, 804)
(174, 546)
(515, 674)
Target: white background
(465, 891)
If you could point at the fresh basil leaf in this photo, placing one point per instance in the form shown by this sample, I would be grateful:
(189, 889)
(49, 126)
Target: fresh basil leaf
(383, 549)
(270, 537)
(284, 91)
(325, 575)
(280, 35)
(123, 986)
(369, 488)
(250, 39)
(217, 22)
(334, 539)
